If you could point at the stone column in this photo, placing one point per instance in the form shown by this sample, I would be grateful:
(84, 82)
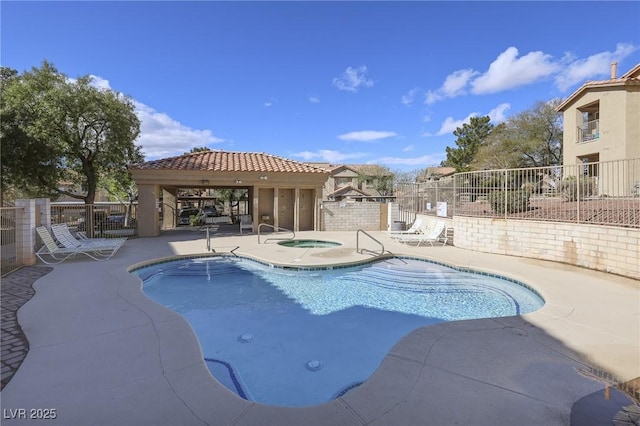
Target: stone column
(26, 232)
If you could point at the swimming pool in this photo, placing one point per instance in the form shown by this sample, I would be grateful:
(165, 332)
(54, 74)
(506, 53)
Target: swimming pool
(290, 337)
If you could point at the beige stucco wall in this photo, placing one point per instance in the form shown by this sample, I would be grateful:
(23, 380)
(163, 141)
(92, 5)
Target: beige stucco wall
(619, 125)
(148, 210)
(169, 208)
(603, 248)
(632, 112)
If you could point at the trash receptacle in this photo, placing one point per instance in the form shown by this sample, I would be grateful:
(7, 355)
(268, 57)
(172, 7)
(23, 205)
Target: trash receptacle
(398, 225)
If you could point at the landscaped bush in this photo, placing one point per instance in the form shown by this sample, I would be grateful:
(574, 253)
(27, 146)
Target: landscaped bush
(517, 200)
(568, 188)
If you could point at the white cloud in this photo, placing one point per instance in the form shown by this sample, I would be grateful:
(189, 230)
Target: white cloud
(408, 148)
(410, 96)
(597, 65)
(509, 71)
(352, 79)
(366, 135)
(432, 97)
(449, 125)
(329, 156)
(100, 82)
(454, 85)
(313, 99)
(162, 136)
(497, 115)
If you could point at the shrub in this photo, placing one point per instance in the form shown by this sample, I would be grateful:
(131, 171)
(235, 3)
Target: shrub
(568, 188)
(195, 220)
(517, 201)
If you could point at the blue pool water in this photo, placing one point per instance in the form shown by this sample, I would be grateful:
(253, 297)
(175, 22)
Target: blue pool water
(303, 337)
(309, 243)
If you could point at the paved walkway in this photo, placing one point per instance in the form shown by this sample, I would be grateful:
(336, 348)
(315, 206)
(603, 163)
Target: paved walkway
(102, 353)
(16, 290)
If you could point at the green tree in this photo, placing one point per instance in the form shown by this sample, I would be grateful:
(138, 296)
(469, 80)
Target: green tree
(532, 138)
(405, 176)
(61, 130)
(471, 137)
(122, 188)
(233, 197)
(377, 177)
(13, 137)
(499, 151)
(198, 149)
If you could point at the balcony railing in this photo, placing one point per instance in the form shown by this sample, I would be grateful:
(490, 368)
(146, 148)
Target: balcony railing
(588, 131)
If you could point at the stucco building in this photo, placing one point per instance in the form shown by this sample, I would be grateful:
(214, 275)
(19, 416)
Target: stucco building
(281, 192)
(602, 124)
(355, 181)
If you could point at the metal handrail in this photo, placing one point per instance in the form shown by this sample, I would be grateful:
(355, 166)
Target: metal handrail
(370, 251)
(232, 251)
(277, 229)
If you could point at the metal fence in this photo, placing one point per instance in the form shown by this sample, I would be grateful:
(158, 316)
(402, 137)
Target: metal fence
(424, 198)
(104, 220)
(605, 193)
(8, 247)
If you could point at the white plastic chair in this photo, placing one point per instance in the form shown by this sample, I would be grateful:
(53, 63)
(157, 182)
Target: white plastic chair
(246, 222)
(435, 235)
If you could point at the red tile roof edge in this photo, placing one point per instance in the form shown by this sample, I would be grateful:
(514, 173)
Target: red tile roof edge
(232, 161)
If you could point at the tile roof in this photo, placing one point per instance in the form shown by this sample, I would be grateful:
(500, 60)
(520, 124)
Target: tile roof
(630, 78)
(347, 189)
(375, 169)
(225, 161)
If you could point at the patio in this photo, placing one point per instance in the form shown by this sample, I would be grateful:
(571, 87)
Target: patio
(101, 353)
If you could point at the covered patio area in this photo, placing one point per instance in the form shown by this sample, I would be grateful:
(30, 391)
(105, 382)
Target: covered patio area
(282, 193)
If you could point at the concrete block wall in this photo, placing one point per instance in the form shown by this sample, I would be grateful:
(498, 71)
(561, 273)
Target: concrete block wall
(350, 216)
(603, 248)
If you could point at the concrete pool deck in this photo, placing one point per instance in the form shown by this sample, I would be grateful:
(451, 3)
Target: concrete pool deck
(101, 353)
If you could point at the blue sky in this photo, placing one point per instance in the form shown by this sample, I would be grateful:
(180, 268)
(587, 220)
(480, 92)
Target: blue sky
(344, 82)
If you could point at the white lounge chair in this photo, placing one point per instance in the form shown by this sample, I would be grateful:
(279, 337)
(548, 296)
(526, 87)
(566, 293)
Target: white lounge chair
(63, 235)
(413, 229)
(434, 235)
(246, 222)
(51, 253)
